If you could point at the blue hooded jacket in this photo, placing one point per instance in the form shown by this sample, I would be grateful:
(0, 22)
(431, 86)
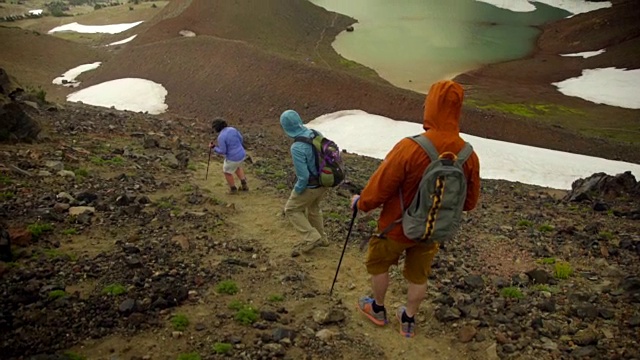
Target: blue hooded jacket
(304, 161)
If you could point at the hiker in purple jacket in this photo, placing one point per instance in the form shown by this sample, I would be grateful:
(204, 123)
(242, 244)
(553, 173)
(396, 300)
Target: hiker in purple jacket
(230, 143)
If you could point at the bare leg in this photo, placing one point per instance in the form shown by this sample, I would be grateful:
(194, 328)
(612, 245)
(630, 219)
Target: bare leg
(230, 181)
(240, 174)
(414, 298)
(379, 285)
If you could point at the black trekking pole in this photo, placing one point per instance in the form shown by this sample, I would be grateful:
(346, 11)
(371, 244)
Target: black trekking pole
(208, 161)
(353, 219)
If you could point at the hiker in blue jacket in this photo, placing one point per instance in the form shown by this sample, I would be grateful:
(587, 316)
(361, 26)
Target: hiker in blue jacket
(303, 206)
(230, 145)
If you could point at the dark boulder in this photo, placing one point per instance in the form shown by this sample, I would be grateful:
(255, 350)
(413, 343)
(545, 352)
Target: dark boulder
(603, 186)
(15, 123)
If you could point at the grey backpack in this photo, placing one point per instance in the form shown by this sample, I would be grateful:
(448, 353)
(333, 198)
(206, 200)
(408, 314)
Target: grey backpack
(435, 212)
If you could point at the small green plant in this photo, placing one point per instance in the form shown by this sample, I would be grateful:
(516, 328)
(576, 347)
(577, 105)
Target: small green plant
(547, 261)
(545, 228)
(334, 215)
(187, 188)
(70, 231)
(180, 322)
(7, 195)
(114, 290)
(165, 204)
(228, 287)
(189, 356)
(606, 235)
(235, 305)
(525, 223)
(543, 287)
(56, 294)
(373, 224)
(281, 186)
(73, 356)
(5, 180)
(222, 348)
(191, 167)
(247, 315)
(562, 270)
(81, 172)
(511, 292)
(116, 160)
(276, 298)
(38, 229)
(39, 93)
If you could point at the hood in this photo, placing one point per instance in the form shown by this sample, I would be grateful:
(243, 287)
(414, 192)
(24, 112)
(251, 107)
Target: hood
(442, 107)
(292, 124)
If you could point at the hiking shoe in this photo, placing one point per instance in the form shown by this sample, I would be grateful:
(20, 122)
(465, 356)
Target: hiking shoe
(407, 329)
(233, 190)
(365, 305)
(244, 187)
(307, 247)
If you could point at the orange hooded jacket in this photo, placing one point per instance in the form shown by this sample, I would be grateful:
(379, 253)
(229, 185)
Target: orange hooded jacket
(405, 163)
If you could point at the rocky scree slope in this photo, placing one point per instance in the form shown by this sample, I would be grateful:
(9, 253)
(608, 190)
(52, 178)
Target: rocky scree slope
(110, 234)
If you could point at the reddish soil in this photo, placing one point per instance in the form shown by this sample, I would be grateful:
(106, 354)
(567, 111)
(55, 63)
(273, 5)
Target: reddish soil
(226, 70)
(36, 59)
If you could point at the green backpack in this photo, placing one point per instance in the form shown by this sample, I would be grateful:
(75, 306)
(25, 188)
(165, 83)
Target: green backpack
(435, 211)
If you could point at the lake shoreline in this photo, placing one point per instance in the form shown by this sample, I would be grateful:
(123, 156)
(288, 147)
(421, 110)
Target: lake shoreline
(500, 91)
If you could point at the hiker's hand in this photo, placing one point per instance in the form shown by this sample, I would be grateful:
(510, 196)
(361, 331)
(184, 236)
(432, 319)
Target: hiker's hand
(212, 145)
(354, 201)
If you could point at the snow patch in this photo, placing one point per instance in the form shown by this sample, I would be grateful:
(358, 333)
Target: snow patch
(123, 41)
(69, 78)
(572, 6)
(94, 29)
(132, 94)
(610, 86)
(187, 33)
(35, 12)
(586, 54)
(372, 135)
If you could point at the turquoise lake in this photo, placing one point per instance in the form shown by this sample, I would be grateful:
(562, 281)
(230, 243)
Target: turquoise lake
(413, 43)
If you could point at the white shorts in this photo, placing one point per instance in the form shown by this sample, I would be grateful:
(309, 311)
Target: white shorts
(229, 167)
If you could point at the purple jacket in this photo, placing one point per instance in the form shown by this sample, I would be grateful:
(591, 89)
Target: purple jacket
(230, 144)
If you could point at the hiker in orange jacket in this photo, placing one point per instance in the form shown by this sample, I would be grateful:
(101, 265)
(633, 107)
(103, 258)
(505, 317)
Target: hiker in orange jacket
(403, 168)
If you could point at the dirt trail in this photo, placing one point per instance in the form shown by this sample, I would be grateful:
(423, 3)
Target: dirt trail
(259, 216)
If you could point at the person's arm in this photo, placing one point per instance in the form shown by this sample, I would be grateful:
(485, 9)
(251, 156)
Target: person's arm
(300, 166)
(221, 148)
(386, 180)
(473, 184)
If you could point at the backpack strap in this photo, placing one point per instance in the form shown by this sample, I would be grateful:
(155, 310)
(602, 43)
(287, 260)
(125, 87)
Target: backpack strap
(313, 179)
(465, 153)
(427, 146)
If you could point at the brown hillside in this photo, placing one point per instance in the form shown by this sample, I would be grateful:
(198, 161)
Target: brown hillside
(290, 27)
(209, 75)
(36, 59)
